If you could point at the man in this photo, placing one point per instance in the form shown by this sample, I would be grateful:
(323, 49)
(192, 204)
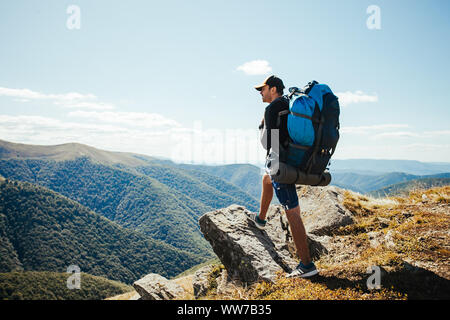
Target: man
(272, 92)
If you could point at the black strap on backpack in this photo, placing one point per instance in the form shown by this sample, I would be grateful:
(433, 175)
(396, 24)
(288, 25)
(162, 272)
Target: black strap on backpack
(312, 159)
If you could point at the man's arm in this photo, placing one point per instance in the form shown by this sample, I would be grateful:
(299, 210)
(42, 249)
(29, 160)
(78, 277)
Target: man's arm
(270, 117)
(270, 123)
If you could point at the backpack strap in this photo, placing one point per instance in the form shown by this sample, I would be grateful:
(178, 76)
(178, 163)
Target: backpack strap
(305, 116)
(281, 113)
(312, 159)
(306, 89)
(297, 146)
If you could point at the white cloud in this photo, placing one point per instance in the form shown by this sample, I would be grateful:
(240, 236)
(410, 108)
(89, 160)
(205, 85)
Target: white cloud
(396, 134)
(92, 124)
(67, 100)
(393, 141)
(29, 94)
(134, 119)
(38, 125)
(371, 129)
(85, 105)
(155, 135)
(389, 131)
(433, 150)
(427, 152)
(116, 137)
(255, 67)
(348, 97)
(437, 133)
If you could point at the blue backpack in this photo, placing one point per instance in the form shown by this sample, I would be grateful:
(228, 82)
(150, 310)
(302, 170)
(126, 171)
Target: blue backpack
(313, 126)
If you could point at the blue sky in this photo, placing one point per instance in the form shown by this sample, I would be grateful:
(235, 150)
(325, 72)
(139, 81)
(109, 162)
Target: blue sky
(175, 78)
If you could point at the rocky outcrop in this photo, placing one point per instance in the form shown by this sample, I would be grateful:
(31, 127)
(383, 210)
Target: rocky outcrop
(322, 209)
(201, 281)
(155, 287)
(248, 253)
(212, 279)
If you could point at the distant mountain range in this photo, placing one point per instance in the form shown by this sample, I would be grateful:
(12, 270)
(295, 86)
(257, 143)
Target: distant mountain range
(376, 167)
(137, 192)
(402, 189)
(375, 176)
(368, 183)
(246, 176)
(122, 215)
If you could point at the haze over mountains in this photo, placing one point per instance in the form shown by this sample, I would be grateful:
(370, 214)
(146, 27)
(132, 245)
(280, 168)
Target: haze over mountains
(372, 183)
(360, 175)
(377, 166)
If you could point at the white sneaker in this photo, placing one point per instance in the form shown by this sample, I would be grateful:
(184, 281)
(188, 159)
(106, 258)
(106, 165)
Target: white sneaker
(302, 272)
(260, 224)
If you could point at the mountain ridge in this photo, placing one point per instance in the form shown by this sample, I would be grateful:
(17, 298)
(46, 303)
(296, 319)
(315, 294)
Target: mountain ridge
(403, 188)
(368, 183)
(149, 197)
(68, 151)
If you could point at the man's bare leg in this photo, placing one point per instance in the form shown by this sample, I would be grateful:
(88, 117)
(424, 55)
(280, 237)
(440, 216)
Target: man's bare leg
(266, 196)
(299, 234)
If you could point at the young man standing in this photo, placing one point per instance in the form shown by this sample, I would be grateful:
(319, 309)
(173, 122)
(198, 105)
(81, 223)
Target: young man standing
(272, 92)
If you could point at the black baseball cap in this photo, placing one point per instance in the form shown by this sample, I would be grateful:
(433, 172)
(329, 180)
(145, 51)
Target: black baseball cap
(271, 81)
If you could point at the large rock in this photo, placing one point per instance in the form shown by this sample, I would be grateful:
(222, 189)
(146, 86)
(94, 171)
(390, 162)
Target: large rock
(322, 209)
(248, 253)
(201, 281)
(212, 278)
(155, 287)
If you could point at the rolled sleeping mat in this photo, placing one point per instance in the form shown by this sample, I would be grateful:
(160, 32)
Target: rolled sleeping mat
(291, 175)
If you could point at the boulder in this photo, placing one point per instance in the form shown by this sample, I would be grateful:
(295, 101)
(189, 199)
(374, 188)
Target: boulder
(225, 285)
(200, 281)
(248, 253)
(322, 209)
(135, 296)
(212, 279)
(155, 287)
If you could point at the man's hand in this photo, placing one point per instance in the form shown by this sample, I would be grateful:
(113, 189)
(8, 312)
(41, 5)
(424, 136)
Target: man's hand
(261, 125)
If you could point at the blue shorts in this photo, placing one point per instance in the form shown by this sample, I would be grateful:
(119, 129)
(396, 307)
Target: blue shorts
(286, 194)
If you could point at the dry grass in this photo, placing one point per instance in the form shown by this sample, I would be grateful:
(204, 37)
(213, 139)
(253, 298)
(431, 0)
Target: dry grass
(124, 296)
(303, 289)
